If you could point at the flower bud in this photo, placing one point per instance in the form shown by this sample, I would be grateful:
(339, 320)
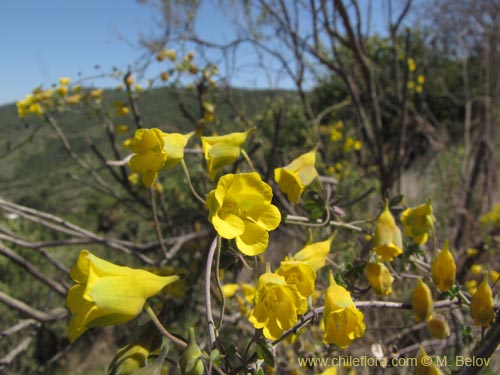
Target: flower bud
(443, 269)
(438, 326)
(481, 307)
(379, 278)
(422, 301)
(190, 361)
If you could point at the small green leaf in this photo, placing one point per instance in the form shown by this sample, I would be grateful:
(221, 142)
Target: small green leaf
(265, 352)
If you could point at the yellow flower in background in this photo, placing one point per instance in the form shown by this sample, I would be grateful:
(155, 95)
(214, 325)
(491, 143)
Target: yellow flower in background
(300, 274)
(315, 254)
(471, 252)
(418, 222)
(444, 269)
(130, 80)
(494, 276)
(62, 90)
(154, 151)
(73, 99)
(96, 93)
(411, 65)
(438, 326)
(293, 178)
(229, 290)
(164, 76)
(425, 366)
(64, 81)
(240, 207)
(107, 294)
(379, 278)
(248, 291)
(476, 269)
(122, 129)
(343, 321)
(481, 306)
(420, 79)
(222, 150)
(422, 301)
(276, 305)
(471, 286)
(387, 238)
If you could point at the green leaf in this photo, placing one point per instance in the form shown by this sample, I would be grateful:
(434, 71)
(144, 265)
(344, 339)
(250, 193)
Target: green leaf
(265, 352)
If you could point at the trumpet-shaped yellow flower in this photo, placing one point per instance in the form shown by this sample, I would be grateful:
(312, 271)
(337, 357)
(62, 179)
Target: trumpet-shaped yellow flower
(240, 207)
(300, 274)
(276, 305)
(387, 238)
(107, 294)
(343, 321)
(418, 222)
(422, 301)
(444, 269)
(222, 150)
(379, 278)
(293, 178)
(438, 326)
(481, 306)
(154, 151)
(315, 254)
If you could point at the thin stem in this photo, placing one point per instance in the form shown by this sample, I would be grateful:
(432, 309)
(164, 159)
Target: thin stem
(157, 221)
(188, 177)
(208, 302)
(162, 328)
(248, 160)
(304, 221)
(219, 285)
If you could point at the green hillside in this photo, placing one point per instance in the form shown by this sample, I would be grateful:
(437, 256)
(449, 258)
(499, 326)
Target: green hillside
(35, 168)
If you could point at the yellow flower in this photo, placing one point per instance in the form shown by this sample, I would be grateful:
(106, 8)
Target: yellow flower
(315, 253)
(425, 366)
(471, 252)
(229, 290)
(379, 278)
(96, 93)
(248, 291)
(481, 306)
(129, 80)
(164, 76)
(240, 207)
(476, 269)
(276, 305)
(422, 301)
(107, 294)
(122, 129)
(222, 150)
(471, 286)
(300, 274)
(154, 151)
(62, 90)
(387, 238)
(343, 321)
(438, 326)
(411, 65)
(73, 99)
(418, 222)
(420, 79)
(410, 85)
(494, 276)
(64, 81)
(443, 269)
(418, 89)
(293, 178)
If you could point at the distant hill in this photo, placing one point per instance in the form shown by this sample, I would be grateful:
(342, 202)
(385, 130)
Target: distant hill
(34, 166)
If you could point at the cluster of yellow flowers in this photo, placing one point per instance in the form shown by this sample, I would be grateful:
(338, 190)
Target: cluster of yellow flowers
(41, 101)
(418, 222)
(415, 84)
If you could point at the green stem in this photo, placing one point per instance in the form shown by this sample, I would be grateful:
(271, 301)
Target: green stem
(188, 177)
(161, 328)
(248, 160)
(156, 220)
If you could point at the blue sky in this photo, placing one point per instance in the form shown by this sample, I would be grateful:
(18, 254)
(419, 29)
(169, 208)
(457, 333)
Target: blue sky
(43, 40)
